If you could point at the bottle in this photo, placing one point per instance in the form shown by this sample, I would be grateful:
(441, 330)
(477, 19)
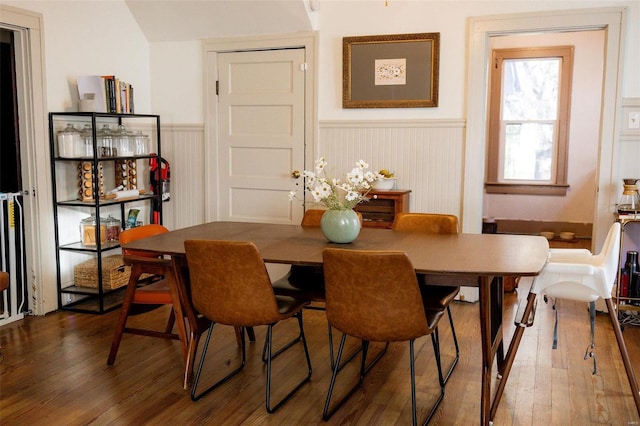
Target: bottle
(633, 280)
(634, 289)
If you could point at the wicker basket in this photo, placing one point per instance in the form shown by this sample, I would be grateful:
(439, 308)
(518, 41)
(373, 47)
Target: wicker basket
(115, 273)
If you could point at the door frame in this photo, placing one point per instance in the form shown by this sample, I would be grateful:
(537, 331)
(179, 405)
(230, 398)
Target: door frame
(27, 27)
(613, 21)
(211, 47)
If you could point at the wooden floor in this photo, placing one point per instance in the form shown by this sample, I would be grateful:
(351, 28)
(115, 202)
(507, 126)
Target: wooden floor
(54, 372)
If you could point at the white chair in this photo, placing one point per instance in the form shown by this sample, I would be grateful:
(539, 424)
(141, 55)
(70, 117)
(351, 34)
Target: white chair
(577, 274)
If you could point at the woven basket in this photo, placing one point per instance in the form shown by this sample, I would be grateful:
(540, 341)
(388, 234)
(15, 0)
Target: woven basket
(115, 273)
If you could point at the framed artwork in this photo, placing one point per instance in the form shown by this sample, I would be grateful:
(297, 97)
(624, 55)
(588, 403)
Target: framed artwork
(390, 71)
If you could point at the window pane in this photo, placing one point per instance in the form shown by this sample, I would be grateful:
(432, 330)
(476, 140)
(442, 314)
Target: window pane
(530, 89)
(528, 151)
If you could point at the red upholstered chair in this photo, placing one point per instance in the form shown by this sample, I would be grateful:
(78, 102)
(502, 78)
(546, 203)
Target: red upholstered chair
(230, 285)
(436, 297)
(146, 294)
(373, 295)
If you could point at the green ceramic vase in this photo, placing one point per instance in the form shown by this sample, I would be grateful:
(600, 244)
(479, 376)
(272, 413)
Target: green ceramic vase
(340, 226)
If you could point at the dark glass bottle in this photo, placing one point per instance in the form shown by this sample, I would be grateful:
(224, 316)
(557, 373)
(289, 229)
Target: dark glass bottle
(631, 265)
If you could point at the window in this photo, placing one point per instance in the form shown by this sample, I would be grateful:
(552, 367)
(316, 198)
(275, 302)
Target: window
(529, 120)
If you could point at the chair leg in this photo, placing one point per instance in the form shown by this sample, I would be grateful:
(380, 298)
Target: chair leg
(337, 366)
(633, 382)
(194, 395)
(455, 344)
(590, 352)
(194, 340)
(124, 314)
(271, 356)
(170, 322)
(441, 380)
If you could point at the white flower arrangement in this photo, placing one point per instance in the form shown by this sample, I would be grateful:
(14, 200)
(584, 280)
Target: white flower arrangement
(337, 194)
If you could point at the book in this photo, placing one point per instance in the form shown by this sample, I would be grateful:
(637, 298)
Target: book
(109, 84)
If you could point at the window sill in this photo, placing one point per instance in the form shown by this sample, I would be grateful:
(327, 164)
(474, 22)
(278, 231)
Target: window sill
(526, 189)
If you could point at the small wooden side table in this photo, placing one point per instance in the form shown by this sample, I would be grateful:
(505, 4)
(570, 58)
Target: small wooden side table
(383, 206)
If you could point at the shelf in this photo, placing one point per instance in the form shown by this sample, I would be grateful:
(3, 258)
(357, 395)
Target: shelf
(78, 246)
(131, 171)
(105, 159)
(90, 303)
(90, 291)
(107, 202)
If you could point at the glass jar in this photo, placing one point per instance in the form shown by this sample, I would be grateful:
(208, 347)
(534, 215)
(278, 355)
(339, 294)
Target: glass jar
(69, 142)
(88, 233)
(105, 141)
(86, 137)
(630, 201)
(141, 143)
(122, 143)
(113, 228)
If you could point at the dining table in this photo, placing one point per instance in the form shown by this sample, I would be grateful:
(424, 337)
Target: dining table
(466, 259)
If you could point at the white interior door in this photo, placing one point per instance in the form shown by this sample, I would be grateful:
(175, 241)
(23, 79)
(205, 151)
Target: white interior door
(261, 130)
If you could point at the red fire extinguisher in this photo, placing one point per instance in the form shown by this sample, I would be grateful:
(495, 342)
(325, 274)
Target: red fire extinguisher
(160, 183)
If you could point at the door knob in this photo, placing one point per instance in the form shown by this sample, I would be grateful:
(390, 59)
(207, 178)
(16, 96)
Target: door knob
(295, 174)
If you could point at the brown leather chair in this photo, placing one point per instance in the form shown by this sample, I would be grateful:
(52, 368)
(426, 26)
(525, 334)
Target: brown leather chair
(373, 295)
(230, 285)
(436, 297)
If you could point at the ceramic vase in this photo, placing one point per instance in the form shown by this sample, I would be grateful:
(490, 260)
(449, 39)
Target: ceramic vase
(340, 226)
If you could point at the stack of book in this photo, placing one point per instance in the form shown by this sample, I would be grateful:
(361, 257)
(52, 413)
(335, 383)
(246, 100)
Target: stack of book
(109, 93)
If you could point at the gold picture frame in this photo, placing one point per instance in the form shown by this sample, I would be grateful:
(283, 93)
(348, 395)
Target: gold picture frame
(391, 71)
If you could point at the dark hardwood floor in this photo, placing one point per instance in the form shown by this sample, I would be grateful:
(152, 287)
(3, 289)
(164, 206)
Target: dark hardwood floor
(54, 372)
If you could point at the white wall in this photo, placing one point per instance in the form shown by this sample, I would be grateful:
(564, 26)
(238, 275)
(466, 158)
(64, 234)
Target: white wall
(87, 38)
(101, 37)
(579, 203)
(336, 19)
(177, 79)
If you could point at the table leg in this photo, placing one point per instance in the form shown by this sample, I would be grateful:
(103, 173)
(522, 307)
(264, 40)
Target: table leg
(487, 355)
(511, 353)
(633, 382)
(174, 282)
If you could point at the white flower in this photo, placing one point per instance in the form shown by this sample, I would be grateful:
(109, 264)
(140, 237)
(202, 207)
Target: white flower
(334, 193)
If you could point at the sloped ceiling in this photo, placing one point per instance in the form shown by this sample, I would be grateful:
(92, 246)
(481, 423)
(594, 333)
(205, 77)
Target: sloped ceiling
(182, 20)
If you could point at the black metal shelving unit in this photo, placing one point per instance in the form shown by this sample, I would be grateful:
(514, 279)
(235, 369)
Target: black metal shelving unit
(95, 300)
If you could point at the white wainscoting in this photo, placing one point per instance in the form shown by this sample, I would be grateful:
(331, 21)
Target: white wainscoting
(426, 155)
(183, 148)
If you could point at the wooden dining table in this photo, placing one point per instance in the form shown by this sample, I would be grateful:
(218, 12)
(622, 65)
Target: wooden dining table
(475, 260)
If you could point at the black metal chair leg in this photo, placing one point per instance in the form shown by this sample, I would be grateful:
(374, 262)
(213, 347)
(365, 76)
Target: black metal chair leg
(455, 344)
(436, 350)
(196, 397)
(281, 349)
(364, 369)
(271, 356)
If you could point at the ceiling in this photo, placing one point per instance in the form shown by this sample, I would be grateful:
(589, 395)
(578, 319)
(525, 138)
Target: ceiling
(182, 20)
